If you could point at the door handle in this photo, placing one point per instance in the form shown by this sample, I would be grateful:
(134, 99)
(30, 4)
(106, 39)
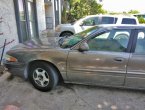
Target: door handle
(119, 59)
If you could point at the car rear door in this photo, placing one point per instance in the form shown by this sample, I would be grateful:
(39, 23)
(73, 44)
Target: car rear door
(106, 61)
(136, 66)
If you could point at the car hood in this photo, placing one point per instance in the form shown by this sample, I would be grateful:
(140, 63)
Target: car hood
(47, 42)
(65, 25)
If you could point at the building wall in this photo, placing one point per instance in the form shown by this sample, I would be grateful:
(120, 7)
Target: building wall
(53, 14)
(49, 16)
(53, 17)
(8, 24)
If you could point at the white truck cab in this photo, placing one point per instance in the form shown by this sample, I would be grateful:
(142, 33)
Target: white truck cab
(92, 20)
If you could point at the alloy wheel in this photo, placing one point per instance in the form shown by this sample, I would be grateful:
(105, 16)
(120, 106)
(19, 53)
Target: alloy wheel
(41, 77)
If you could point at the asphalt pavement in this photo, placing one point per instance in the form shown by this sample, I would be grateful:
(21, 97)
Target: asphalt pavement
(21, 94)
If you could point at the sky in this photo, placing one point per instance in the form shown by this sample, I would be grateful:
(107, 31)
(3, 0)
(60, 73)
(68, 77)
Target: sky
(124, 5)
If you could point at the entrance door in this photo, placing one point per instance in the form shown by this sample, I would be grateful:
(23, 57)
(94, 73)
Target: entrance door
(26, 19)
(31, 18)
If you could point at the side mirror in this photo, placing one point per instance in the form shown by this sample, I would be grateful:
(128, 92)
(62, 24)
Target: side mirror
(84, 47)
(81, 24)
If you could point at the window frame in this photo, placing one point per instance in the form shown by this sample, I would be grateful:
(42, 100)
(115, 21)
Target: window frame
(129, 19)
(115, 19)
(91, 18)
(131, 43)
(18, 21)
(136, 31)
(113, 29)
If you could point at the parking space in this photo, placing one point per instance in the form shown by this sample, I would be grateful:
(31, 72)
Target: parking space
(69, 97)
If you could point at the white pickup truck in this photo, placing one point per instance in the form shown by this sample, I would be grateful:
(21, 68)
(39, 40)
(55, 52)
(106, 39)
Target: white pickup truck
(89, 21)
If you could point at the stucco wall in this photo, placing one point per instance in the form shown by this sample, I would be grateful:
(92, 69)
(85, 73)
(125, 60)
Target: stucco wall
(41, 15)
(8, 24)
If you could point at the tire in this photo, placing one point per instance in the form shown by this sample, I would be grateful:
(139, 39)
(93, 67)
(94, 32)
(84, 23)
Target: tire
(66, 34)
(43, 77)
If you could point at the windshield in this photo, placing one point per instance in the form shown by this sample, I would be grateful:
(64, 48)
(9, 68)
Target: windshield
(75, 21)
(67, 42)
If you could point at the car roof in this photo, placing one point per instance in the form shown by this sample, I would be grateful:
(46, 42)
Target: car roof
(125, 26)
(118, 16)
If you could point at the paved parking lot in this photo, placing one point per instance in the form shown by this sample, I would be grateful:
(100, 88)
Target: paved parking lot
(69, 97)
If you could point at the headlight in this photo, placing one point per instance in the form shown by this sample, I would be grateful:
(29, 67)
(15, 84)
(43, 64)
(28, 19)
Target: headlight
(10, 58)
(57, 29)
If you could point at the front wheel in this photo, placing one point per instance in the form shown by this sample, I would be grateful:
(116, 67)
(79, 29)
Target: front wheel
(43, 77)
(66, 34)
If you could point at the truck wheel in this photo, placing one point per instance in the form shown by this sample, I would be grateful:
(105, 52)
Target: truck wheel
(43, 77)
(66, 34)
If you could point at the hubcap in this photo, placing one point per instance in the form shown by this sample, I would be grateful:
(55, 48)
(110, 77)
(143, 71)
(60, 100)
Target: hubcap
(41, 77)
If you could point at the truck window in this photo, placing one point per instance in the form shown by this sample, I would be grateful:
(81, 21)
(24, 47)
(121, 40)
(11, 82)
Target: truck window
(91, 21)
(128, 21)
(109, 20)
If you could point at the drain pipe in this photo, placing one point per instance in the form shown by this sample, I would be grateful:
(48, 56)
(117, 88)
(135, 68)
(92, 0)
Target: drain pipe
(3, 52)
(4, 74)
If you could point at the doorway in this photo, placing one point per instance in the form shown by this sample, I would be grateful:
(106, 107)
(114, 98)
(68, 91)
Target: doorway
(26, 19)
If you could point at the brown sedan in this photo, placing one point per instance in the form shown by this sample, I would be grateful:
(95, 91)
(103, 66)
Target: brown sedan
(103, 55)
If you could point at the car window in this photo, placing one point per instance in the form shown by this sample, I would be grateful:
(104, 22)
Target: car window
(74, 39)
(128, 21)
(114, 40)
(122, 37)
(140, 44)
(108, 20)
(91, 21)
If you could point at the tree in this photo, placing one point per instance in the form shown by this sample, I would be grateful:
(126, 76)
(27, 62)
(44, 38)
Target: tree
(81, 8)
(65, 11)
(133, 12)
(141, 20)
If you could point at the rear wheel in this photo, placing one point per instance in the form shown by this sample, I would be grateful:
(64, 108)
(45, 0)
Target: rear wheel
(43, 77)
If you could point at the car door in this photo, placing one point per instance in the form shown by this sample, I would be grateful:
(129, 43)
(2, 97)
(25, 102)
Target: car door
(105, 62)
(89, 22)
(136, 66)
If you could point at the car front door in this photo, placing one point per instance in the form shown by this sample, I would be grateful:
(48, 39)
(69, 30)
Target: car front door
(106, 61)
(136, 67)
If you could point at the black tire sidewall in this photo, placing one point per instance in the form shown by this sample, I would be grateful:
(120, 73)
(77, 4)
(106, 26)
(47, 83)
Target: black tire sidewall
(66, 34)
(53, 77)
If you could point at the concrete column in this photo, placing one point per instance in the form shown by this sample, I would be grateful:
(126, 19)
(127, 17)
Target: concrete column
(40, 7)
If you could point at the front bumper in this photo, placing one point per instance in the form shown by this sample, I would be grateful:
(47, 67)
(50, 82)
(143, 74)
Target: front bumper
(16, 68)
